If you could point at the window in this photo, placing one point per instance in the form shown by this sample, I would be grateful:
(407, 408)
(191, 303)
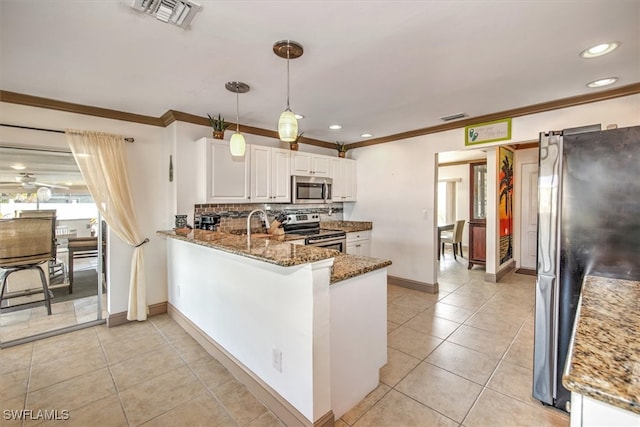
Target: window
(447, 201)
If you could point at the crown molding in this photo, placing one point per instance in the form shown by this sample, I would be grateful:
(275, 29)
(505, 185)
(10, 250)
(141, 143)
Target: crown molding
(171, 115)
(54, 104)
(572, 101)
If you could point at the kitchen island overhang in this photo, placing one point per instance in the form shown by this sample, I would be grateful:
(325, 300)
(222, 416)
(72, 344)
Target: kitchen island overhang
(314, 349)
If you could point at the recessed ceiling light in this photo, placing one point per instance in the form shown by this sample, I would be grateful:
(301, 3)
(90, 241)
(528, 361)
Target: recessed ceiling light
(68, 183)
(335, 127)
(299, 116)
(599, 50)
(603, 82)
(366, 135)
(18, 167)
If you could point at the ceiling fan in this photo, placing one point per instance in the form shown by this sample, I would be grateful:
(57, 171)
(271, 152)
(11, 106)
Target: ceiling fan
(29, 182)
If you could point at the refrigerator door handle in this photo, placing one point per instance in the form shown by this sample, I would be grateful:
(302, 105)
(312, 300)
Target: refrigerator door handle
(545, 337)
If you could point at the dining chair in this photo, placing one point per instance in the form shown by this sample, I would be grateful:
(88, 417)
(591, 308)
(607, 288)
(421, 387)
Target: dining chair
(57, 268)
(454, 238)
(26, 244)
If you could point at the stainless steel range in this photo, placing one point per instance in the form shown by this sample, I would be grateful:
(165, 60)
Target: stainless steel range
(308, 225)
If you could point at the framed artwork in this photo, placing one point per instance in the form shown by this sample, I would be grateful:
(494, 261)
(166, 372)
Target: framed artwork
(505, 203)
(483, 133)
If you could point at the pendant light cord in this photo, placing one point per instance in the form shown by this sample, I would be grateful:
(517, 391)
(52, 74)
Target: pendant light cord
(288, 51)
(237, 109)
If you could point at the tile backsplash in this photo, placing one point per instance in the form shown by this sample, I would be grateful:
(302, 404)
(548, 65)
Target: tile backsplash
(234, 216)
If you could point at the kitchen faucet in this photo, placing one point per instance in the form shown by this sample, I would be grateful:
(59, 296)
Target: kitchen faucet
(266, 222)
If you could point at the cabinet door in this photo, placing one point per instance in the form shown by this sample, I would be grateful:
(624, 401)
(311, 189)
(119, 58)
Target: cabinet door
(260, 173)
(300, 163)
(351, 248)
(343, 173)
(337, 190)
(320, 166)
(222, 178)
(280, 176)
(349, 180)
(477, 213)
(365, 247)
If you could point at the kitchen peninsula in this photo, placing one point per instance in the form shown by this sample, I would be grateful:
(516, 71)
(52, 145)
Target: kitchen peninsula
(303, 327)
(603, 365)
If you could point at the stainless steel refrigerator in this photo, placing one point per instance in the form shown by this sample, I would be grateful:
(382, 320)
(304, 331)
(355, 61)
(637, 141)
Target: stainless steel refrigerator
(588, 223)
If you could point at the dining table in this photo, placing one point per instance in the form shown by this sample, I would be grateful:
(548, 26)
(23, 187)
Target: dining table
(441, 228)
(80, 247)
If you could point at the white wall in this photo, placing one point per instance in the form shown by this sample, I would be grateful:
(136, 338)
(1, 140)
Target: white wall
(148, 172)
(396, 183)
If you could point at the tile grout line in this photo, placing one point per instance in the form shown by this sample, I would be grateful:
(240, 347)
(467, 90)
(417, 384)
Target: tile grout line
(113, 380)
(208, 390)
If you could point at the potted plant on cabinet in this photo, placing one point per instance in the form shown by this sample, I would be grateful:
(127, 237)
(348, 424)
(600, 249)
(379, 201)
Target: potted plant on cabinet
(293, 145)
(342, 148)
(219, 126)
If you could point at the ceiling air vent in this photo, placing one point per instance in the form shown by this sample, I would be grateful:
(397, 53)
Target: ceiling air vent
(176, 12)
(453, 117)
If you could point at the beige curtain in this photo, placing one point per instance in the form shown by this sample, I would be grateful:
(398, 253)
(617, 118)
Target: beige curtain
(102, 162)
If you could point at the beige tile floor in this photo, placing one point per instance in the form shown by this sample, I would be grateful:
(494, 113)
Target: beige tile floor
(32, 321)
(462, 357)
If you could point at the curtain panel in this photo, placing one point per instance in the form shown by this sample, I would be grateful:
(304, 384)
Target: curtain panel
(102, 161)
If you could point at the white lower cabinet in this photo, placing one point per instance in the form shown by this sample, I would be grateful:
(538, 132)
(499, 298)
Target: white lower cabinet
(359, 243)
(587, 412)
(222, 178)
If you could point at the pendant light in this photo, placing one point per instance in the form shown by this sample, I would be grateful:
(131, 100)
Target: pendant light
(237, 144)
(287, 124)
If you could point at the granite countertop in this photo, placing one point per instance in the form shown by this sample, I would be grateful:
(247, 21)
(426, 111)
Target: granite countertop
(272, 249)
(347, 226)
(348, 266)
(604, 358)
(276, 250)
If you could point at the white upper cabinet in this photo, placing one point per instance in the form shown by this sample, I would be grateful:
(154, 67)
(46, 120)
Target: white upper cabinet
(307, 164)
(343, 174)
(270, 174)
(222, 178)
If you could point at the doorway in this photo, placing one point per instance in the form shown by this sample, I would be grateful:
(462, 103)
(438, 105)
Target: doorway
(33, 181)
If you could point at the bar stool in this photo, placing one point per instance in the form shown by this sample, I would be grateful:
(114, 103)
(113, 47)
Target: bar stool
(27, 244)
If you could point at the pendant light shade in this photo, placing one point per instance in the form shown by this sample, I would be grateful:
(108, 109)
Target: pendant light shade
(288, 124)
(237, 144)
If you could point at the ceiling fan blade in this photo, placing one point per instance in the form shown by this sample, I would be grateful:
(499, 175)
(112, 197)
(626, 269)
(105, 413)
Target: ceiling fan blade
(41, 184)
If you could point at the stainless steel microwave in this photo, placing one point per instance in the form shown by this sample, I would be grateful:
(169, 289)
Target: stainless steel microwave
(310, 189)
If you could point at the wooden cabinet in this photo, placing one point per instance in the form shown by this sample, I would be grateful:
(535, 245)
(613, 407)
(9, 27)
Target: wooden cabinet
(359, 243)
(478, 214)
(307, 164)
(222, 178)
(343, 174)
(270, 174)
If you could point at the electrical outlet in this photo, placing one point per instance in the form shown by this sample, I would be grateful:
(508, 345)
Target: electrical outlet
(277, 360)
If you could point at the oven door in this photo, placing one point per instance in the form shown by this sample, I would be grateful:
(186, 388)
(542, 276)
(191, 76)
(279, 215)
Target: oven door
(339, 243)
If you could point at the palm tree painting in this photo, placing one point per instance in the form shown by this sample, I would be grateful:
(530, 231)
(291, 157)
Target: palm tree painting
(506, 204)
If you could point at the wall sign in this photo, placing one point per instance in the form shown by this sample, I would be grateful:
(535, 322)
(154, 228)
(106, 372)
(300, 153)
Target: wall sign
(482, 133)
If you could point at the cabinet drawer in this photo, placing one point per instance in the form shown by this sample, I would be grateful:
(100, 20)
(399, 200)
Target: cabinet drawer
(358, 235)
